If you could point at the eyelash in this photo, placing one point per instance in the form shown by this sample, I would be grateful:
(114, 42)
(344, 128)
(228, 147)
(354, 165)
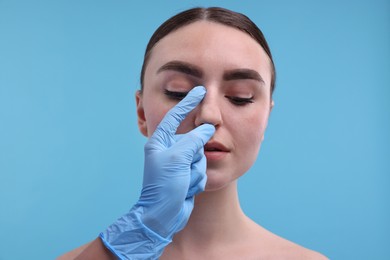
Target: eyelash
(238, 101)
(175, 95)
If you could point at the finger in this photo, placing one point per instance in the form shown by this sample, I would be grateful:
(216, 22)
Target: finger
(171, 121)
(177, 137)
(198, 174)
(190, 143)
(186, 211)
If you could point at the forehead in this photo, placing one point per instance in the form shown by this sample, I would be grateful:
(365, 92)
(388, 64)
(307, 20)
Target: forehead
(211, 45)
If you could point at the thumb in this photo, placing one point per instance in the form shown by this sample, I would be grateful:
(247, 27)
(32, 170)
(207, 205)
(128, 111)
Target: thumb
(194, 140)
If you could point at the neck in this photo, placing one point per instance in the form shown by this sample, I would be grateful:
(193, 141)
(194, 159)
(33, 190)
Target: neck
(216, 216)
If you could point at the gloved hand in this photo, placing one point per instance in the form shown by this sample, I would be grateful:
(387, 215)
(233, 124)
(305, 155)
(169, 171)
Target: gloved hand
(174, 171)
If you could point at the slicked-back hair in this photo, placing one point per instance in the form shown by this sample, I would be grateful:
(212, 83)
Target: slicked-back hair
(213, 14)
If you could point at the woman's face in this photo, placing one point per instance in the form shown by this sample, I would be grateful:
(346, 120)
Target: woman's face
(236, 73)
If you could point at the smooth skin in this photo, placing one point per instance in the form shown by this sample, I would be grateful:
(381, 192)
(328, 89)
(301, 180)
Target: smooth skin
(236, 72)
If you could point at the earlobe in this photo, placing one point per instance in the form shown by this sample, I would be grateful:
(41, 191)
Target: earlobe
(270, 109)
(272, 105)
(141, 114)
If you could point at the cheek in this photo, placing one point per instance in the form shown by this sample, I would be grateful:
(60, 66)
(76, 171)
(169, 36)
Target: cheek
(250, 131)
(187, 124)
(155, 113)
(154, 116)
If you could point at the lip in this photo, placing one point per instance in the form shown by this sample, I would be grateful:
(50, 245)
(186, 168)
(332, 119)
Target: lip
(215, 151)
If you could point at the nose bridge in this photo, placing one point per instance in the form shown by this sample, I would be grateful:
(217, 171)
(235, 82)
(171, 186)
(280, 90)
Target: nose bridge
(209, 110)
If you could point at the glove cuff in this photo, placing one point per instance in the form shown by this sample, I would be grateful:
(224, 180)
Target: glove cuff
(129, 238)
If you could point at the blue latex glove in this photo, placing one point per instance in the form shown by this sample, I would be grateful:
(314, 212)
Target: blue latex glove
(174, 172)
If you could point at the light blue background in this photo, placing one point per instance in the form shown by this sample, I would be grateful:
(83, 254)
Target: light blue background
(71, 155)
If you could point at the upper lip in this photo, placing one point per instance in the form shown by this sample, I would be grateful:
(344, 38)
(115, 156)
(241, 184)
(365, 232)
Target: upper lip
(215, 146)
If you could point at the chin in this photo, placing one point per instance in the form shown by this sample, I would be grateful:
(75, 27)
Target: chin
(217, 180)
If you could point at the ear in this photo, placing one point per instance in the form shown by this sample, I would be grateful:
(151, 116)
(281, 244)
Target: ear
(270, 109)
(141, 114)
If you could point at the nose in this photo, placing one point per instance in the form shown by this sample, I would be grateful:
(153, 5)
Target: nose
(208, 111)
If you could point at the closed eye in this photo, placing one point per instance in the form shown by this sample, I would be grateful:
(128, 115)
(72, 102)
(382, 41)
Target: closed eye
(239, 101)
(175, 95)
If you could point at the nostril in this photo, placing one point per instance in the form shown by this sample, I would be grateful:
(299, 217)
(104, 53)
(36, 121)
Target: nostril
(208, 115)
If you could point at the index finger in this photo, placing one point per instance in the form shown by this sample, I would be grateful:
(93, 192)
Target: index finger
(176, 115)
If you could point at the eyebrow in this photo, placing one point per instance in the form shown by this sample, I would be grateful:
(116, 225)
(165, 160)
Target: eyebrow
(195, 71)
(182, 67)
(243, 74)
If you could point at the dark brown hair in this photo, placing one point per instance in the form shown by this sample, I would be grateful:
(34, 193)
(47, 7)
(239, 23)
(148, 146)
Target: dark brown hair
(213, 14)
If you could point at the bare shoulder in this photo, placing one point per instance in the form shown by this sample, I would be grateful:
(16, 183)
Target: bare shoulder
(74, 253)
(272, 246)
(290, 250)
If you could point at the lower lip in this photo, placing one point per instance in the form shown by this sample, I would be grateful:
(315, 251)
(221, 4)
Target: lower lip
(215, 155)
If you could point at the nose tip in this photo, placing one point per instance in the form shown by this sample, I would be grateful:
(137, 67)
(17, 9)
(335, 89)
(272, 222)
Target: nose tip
(208, 112)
